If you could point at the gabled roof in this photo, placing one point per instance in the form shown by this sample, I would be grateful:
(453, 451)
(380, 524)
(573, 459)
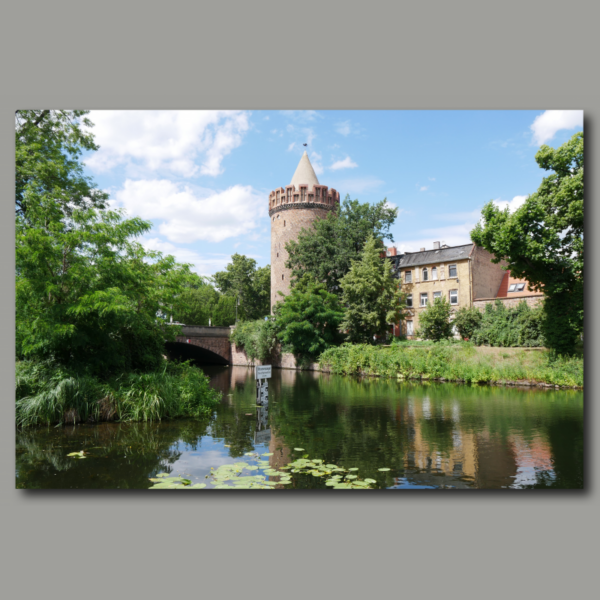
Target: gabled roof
(432, 257)
(305, 174)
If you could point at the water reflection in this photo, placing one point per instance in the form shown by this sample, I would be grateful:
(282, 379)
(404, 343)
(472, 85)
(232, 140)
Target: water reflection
(429, 436)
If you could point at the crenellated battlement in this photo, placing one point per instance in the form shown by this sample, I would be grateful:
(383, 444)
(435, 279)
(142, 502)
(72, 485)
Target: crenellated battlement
(319, 195)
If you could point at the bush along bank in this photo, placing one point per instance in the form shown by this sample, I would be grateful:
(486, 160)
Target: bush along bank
(47, 394)
(462, 362)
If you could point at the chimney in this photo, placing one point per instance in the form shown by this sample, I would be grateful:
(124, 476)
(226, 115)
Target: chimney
(436, 245)
(444, 245)
(421, 249)
(392, 251)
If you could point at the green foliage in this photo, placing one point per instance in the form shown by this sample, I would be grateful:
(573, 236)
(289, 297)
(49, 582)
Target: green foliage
(370, 295)
(434, 321)
(48, 144)
(467, 320)
(308, 319)
(502, 326)
(452, 362)
(242, 280)
(327, 250)
(196, 304)
(48, 393)
(542, 241)
(87, 294)
(257, 338)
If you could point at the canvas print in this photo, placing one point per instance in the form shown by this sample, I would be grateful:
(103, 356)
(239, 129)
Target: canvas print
(299, 300)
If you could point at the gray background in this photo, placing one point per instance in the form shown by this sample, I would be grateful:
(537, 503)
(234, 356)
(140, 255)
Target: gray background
(462, 55)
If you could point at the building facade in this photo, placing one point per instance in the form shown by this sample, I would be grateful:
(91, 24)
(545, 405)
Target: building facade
(290, 209)
(511, 292)
(458, 273)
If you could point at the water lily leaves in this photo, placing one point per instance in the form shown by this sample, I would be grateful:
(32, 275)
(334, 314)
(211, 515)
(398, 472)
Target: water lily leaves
(196, 486)
(77, 454)
(163, 475)
(370, 481)
(383, 469)
(186, 481)
(299, 449)
(351, 476)
(353, 469)
(267, 454)
(251, 454)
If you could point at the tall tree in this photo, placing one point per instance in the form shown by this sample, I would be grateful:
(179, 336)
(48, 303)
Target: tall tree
(542, 241)
(48, 146)
(308, 318)
(242, 280)
(371, 296)
(434, 321)
(326, 251)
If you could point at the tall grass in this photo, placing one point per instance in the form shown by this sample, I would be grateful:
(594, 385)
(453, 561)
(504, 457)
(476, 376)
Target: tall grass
(453, 362)
(47, 394)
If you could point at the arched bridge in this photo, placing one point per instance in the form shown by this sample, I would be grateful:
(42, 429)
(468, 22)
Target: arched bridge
(205, 345)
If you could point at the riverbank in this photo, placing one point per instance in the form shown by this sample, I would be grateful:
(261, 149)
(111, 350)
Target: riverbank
(47, 394)
(462, 362)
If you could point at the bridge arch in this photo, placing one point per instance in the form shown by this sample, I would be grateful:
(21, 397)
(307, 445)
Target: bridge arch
(199, 355)
(202, 345)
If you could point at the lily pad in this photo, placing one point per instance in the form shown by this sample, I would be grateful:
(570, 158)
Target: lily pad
(267, 454)
(299, 449)
(384, 469)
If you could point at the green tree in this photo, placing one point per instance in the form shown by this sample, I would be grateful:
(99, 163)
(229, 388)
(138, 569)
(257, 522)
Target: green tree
(542, 241)
(196, 304)
(370, 295)
(242, 280)
(466, 321)
(434, 321)
(326, 250)
(308, 319)
(48, 145)
(88, 294)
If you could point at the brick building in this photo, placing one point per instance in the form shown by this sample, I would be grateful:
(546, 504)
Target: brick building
(292, 208)
(458, 273)
(511, 292)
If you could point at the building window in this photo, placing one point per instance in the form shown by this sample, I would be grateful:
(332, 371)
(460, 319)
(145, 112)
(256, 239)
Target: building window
(425, 274)
(516, 287)
(434, 273)
(409, 300)
(284, 223)
(452, 271)
(453, 296)
(409, 328)
(407, 276)
(424, 299)
(437, 295)
(278, 255)
(282, 277)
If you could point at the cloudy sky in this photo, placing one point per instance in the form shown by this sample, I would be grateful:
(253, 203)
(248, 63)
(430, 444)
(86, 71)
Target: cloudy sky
(203, 177)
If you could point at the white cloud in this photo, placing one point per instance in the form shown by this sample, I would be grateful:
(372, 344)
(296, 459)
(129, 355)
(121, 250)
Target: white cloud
(454, 235)
(347, 163)
(315, 161)
(431, 178)
(549, 122)
(186, 143)
(291, 146)
(266, 118)
(343, 128)
(205, 265)
(423, 188)
(512, 205)
(188, 214)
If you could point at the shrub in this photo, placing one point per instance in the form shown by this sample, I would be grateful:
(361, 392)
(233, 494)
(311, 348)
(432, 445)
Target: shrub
(434, 321)
(506, 327)
(257, 338)
(467, 320)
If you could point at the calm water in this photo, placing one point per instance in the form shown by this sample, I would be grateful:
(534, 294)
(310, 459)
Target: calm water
(430, 436)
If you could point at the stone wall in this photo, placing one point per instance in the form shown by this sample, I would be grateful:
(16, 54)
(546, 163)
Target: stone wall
(278, 360)
(531, 301)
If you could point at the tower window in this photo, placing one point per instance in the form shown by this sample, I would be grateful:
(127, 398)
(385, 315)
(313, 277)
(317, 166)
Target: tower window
(282, 277)
(278, 255)
(284, 223)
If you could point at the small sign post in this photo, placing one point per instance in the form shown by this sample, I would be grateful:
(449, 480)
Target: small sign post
(262, 374)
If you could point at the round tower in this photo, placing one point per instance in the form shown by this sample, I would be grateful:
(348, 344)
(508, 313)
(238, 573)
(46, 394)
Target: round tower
(292, 208)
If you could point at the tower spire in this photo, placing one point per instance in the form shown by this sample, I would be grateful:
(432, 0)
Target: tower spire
(305, 174)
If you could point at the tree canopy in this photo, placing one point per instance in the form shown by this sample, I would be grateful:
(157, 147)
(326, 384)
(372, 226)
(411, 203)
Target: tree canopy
(542, 241)
(308, 318)
(327, 249)
(370, 295)
(434, 321)
(242, 280)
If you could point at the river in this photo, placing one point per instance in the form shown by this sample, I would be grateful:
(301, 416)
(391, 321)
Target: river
(436, 435)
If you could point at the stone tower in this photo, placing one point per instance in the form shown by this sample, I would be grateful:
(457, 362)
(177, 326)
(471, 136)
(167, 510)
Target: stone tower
(292, 208)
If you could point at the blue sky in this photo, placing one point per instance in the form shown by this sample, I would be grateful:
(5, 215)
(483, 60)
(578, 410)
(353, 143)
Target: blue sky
(203, 177)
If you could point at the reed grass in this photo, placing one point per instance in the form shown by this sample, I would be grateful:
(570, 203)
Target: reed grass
(454, 362)
(47, 394)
